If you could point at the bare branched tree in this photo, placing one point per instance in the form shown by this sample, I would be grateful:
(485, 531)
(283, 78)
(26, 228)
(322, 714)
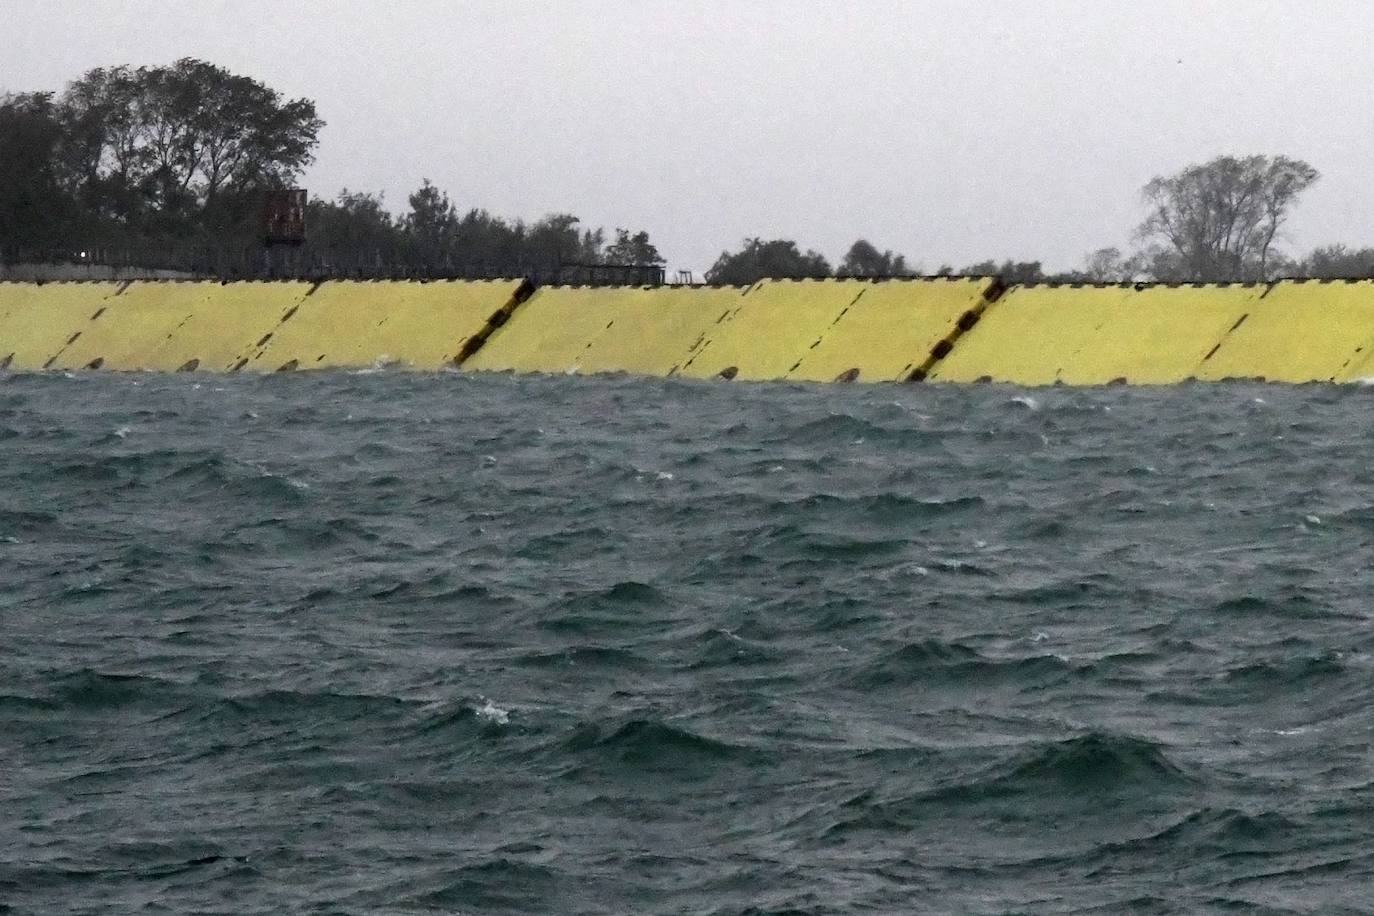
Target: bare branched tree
(1218, 221)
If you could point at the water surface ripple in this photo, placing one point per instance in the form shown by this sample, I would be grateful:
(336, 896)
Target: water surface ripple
(376, 643)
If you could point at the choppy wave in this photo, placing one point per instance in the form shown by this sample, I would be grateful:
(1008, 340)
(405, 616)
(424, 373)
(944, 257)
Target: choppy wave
(382, 642)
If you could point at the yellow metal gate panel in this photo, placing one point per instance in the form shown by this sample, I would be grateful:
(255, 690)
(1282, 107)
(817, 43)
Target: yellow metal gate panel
(171, 325)
(657, 330)
(893, 329)
(553, 329)
(1299, 331)
(362, 324)
(1158, 335)
(38, 321)
(1029, 335)
(772, 328)
(229, 320)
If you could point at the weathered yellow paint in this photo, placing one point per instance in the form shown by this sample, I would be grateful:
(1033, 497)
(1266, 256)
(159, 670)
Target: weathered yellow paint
(228, 320)
(413, 324)
(552, 330)
(1290, 331)
(134, 319)
(179, 324)
(1028, 335)
(658, 330)
(1163, 333)
(773, 326)
(1096, 335)
(1300, 331)
(39, 320)
(643, 330)
(892, 328)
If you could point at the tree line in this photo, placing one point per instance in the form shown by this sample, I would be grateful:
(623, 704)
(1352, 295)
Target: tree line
(170, 153)
(432, 231)
(183, 154)
(1220, 221)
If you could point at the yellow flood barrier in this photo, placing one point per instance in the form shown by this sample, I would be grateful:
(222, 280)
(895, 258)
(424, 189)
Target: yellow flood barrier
(552, 330)
(364, 324)
(39, 320)
(171, 325)
(230, 319)
(1028, 335)
(657, 331)
(1095, 335)
(894, 329)
(1300, 331)
(773, 326)
(585, 330)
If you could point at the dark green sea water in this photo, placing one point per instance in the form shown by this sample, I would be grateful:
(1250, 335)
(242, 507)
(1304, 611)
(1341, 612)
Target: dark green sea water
(443, 644)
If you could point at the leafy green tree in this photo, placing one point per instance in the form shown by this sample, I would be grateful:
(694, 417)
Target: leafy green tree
(488, 242)
(758, 259)
(864, 260)
(431, 225)
(1336, 262)
(354, 229)
(102, 161)
(188, 146)
(34, 208)
(555, 241)
(1010, 271)
(635, 250)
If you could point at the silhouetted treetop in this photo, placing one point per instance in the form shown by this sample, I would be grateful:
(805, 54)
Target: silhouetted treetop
(758, 259)
(632, 249)
(1010, 271)
(864, 260)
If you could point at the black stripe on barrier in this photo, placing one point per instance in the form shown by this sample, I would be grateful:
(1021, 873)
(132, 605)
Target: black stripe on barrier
(966, 322)
(495, 321)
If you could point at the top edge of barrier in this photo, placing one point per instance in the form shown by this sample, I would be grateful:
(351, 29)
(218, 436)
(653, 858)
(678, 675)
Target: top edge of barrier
(1142, 285)
(928, 278)
(642, 286)
(1322, 280)
(1038, 284)
(911, 278)
(83, 281)
(422, 281)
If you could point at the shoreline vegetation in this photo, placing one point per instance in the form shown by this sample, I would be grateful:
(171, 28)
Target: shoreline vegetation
(166, 168)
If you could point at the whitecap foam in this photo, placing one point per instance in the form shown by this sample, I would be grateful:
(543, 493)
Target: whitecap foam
(490, 712)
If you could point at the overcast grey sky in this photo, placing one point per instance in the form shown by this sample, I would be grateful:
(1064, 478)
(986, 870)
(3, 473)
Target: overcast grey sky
(949, 131)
